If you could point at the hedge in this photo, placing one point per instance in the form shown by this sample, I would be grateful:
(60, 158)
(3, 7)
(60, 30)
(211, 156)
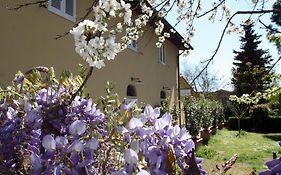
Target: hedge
(269, 124)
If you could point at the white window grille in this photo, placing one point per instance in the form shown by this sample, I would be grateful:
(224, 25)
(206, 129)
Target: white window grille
(133, 45)
(64, 8)
(162, 54)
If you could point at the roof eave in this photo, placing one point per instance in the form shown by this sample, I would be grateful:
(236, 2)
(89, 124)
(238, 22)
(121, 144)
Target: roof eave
(175, 37)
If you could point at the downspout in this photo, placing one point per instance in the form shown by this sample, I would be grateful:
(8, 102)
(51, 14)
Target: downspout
(178, 64)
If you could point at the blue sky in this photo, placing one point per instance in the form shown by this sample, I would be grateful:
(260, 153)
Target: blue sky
(207, 36)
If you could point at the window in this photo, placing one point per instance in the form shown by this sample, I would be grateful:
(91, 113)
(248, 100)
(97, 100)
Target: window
(133, 45)
(163, 98)
(131, 91)
(162, 54)
(64, 8)
(162, 95)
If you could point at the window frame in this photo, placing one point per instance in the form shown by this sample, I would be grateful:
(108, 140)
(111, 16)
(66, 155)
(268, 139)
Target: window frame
(163, 95)
(62, 11)
(131, 45)
(131, 91)
(162, 55)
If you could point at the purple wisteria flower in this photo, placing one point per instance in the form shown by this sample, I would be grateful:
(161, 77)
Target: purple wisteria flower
(11, 113)
(36, 161)
(150, 113)
(93, 144)
(61, 141)
(274, 166)
(52, 133)
(78, 127)
(131, 157)
(155, 138)
(128, 106)
(143, 172)
(163, 122)
(135, 123)
(49, 143)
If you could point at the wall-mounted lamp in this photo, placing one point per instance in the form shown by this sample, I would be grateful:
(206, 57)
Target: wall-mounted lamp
(136, 80)
(166, 88)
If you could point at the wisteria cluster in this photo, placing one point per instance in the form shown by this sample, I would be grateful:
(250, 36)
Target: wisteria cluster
(157, 147)
(48, 136)
(51, 133)
(273, 166)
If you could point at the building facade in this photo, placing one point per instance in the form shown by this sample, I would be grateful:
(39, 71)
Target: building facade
(142, 71)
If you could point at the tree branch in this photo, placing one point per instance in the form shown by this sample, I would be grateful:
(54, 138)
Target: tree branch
(214, 8)
(42, 3)
(273, 65)
(224, 30)
(269, 27)
(89, 10)
(83, 84)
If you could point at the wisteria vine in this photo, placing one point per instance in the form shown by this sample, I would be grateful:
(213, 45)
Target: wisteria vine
(44, 132)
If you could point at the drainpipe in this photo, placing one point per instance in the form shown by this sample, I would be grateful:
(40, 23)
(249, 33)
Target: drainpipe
(178, 64)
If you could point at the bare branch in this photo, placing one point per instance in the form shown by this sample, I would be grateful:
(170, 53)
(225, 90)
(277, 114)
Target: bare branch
(89, 10)
(42, 3)
(224, 30)
(83, 84)
(214, 8)
(273, 65)
(170, 8)
(269, 27)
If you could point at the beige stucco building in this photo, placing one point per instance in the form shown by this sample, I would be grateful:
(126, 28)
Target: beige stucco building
(185, 89)
(27, 40)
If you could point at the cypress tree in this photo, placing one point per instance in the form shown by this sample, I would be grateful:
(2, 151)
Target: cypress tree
(274, 32)
(251, 71)
(276, 16)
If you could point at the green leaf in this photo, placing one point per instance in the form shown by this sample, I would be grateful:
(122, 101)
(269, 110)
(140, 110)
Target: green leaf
(78, 80)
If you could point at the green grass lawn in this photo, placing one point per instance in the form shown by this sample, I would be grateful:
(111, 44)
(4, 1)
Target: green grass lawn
(253, 150)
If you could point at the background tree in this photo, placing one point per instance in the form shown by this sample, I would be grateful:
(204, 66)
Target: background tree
(274, 34)
(252, 70)
(208, 81)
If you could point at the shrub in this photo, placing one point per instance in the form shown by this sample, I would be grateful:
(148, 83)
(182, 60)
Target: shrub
(172, 109)
(270, 125)
(193, 116)
(260, 113)
(201, 113)
(219, 113)
(207, 110)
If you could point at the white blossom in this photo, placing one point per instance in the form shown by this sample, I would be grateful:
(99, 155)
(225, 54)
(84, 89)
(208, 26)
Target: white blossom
(159, 28)
(161, 39)
(167, 35)
(158, 44)
(95, 42)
